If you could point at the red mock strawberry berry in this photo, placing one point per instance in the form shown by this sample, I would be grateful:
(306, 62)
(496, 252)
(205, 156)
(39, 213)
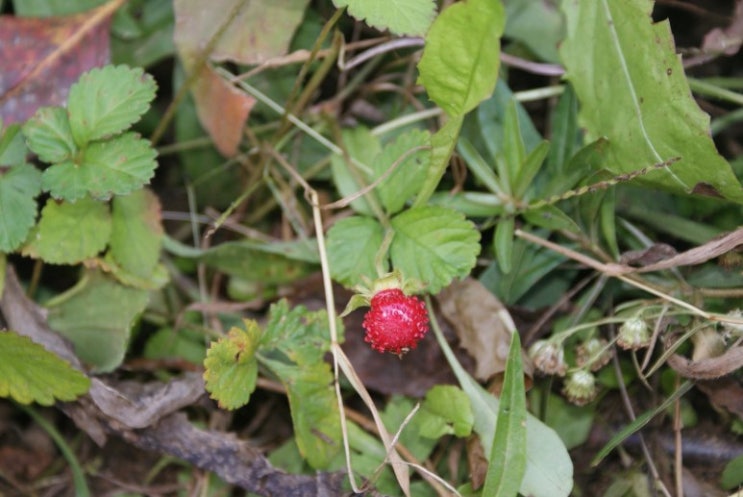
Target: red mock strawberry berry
(396, 322)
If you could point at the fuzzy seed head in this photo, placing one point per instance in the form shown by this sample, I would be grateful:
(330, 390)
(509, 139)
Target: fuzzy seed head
(633, 334)
(396, 322)
(548, 357)
(594, 353)
(580, 387)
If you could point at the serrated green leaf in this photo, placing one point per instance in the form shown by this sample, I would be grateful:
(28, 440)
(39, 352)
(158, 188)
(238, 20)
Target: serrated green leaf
(508, 454)
(30, 373)
(434, 245)
(113, 167)
(402, 17)
(230, 367)
(348, 177)
(352, 248)
(49, 135)
(97, 316)
(136, 232)
(644, 107)
(461, 58)
(70, 233)
(19, 187)
(446, 411)
(407, 178)
(106, 101)
(292, 347)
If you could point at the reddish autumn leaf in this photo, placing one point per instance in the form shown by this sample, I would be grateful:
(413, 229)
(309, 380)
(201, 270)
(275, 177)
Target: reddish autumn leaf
(42, 58)
(245, 32)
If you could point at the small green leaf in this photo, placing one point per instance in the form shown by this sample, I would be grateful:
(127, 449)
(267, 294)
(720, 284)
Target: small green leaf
(408, 176)
(514, 150)
(352, 248)
(230, 367)
(460, 62)
(402, 17)
(565, 136)
(106, 101)
(49, 135)
(482, 171)
(255, 262)
(732, 475)
(529, 169)
(113, 167)
(552, 218)
(442, 146)
(446, 411)
(97, 315)
(349, 178)
(19, 186)
(30, 373)
(434, 245)
(508, 454)
(292, 347)
(136, 232)
(13, 149)
(503, 243)
(70, 233)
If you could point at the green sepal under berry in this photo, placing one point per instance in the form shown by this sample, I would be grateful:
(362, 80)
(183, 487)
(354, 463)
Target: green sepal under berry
(30, 373)
(19, 186)
(230, 367)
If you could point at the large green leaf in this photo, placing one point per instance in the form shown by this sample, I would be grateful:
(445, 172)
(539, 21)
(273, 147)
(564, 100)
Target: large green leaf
(460, 62)
(106, 101)
(402, 17)
(639, 98)
(30, 373)
(97, 316)
(49, 135)
(117, 166)
(549, 470)
(69, 233)
(434, 245)
(352, 247)
(136, 232)
(19, 186)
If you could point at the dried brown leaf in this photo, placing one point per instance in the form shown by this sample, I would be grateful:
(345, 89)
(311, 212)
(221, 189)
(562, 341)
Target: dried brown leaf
(482, 324)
